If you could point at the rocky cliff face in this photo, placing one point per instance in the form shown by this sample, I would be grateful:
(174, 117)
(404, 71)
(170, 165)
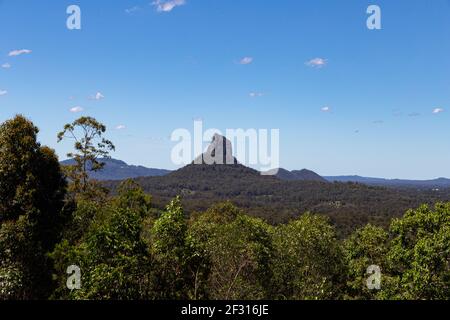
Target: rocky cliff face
(219, 151)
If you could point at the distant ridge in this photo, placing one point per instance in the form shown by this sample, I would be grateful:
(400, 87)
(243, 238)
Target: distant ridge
(219, 165)
(436, 183)
(119, 170)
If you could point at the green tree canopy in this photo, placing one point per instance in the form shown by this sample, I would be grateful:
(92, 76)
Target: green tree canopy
(90, 145)
(32, 190)
(236, 251)
(365, 247)
(308, 262)
(419, 256)
(114, 260)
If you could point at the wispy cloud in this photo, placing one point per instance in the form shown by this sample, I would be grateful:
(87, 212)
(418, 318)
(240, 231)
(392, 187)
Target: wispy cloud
(437, 110)
(317, 63)
(97, 96)
(6, 66)
(255, 94)
(167, 5)
(326, 109)
(132, 10)
(121, 127)
(3, 92)
(15, 53)
(414, 114)
(76, 109)
(246, 60)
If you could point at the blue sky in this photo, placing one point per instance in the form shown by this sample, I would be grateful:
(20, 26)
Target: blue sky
(158, 70)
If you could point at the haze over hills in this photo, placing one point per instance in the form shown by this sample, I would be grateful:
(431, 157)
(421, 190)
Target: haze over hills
(435, 183)
(119, 170)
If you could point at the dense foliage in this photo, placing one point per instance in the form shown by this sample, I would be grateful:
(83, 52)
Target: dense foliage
(32, 190)
(127, 248)
(348, 205)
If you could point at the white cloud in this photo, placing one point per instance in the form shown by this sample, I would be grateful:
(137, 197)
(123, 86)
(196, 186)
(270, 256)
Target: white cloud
(256, 94)
(325, 109)
(76, 109)
(317, 63)
(97, 96)
(121, 127)
(437, 110)
(15, 53)
(3, 92)
(246, 60)
(6, 66)
(167, 5)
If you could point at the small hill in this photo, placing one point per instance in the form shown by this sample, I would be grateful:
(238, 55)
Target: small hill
(299, 175)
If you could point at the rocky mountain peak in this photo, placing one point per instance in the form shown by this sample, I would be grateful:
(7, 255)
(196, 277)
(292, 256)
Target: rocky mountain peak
(220, 151)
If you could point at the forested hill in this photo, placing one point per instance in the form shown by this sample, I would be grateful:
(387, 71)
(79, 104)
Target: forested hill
(281, 197)
(347, 204)
(304, 174)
